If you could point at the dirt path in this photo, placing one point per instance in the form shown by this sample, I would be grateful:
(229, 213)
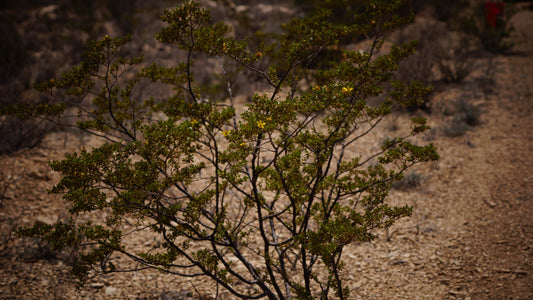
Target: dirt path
(501, 228)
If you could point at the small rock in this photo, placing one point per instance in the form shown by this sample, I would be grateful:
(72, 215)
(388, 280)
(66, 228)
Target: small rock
(397, 262)
(503, 270)
(97, 285)
(455, 293)
(109, 290)
(45, 220)
(490, 203)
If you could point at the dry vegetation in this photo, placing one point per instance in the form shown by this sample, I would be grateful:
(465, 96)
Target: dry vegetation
(470, 236)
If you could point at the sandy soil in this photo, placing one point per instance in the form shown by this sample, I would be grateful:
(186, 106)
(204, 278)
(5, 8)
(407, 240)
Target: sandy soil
(470, 237)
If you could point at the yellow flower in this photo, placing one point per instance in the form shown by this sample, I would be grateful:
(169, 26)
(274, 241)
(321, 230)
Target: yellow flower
(261, 124)
(225, 132)
(347, 89)
(258, 54)
(243, 144)
(194, 122)
(269, 119)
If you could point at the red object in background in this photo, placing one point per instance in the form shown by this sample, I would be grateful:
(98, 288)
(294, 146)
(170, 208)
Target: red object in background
(493, 12)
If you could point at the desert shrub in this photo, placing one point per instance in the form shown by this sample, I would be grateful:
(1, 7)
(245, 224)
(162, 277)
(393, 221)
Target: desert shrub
(445, 11)
(342, 11)
(422, 65)
(349, 12)
(13, 54)
(456, 128)
(21, 64)
(464, 116)
(7, 180)
(18, 134)
(17, 129)
(457, 63)
(409, 181)
(119, 11)
(262, 201)
(442, 56)
(491, 38)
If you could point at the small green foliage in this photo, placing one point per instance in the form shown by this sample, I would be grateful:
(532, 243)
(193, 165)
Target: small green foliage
(464, 116)
(260, 200)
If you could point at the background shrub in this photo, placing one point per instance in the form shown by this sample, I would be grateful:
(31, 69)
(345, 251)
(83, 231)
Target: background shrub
(465, 116)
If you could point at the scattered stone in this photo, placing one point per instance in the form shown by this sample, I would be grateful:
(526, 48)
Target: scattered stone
(455, 293)
(503, 270)
(46, 220)
(398, 262)
(97, 285)
(109, 290)
(490, 203)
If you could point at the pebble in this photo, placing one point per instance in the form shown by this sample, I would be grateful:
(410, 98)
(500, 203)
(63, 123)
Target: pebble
(97, 285)
(109, 290)
(46, 220)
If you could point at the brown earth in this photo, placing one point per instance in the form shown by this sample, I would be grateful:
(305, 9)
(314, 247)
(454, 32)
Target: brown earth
(470, 236)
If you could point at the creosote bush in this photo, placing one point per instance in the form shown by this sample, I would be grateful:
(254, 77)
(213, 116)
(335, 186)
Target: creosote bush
(262, 201)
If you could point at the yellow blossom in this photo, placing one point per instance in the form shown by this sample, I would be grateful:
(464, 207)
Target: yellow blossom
(243, 144)
(194, 122)
(225, 132)
(269, 119)
(347, 89)
(258, 54)
(316, 88)
(261, 124)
